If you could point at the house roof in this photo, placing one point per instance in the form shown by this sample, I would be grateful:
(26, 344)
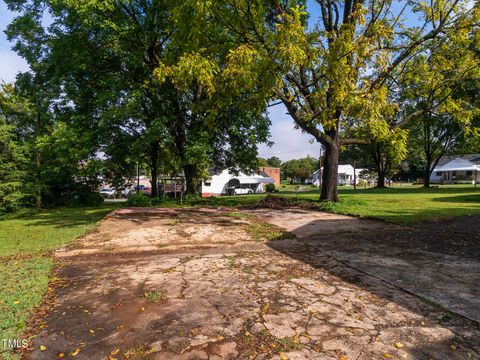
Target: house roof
(344, 169)
(473, 158)
(460, 163)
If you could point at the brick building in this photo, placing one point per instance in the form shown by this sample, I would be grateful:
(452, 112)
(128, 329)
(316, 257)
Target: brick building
(273, 172)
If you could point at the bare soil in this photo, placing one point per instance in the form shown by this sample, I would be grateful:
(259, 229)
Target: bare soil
(193, 284)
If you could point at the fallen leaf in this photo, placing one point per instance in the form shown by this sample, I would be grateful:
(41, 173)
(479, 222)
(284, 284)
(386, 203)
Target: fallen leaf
(387, 355)
(453, 347)
(76, 352)
(343, 358)
(399, 345)
(114, 352)
(43, 348)
(92, 331)
(142, 309)
(16, 302)
(60, 356)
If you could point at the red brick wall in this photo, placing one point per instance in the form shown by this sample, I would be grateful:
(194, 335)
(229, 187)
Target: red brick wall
(273, 172)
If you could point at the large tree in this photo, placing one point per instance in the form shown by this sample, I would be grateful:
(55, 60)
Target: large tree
(16, 188)
(331, 65)
(434, 90)
(144, 74)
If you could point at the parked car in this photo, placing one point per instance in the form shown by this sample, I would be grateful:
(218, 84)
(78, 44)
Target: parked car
(107, 193)
(243, 191)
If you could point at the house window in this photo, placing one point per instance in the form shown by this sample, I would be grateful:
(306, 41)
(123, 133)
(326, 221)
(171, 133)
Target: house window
(208, 184)
(438, 173)
(469, 172)
(454, 173)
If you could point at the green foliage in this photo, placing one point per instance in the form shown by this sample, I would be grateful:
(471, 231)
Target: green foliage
(270, 188)
(333, 73)
(15, 185)
(300, 168)
(274, 162)
(139, 200)
(434, 92)
(262, 162)
(362, 184)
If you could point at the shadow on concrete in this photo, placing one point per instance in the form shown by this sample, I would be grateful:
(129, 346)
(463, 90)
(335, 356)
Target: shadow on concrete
(436, 263)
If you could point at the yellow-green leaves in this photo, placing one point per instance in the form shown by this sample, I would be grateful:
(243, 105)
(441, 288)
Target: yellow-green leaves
(191, 70)
(291, 39)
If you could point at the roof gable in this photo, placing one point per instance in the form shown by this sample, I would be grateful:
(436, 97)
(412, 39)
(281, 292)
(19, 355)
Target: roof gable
(474, 158)
(458, 164)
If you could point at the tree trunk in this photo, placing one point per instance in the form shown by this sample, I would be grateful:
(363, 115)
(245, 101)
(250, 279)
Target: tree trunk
(190, 179)
(426, 181)
(154, 168)
(38, 187)
(330, 170)
(381, 165)
(381, 180)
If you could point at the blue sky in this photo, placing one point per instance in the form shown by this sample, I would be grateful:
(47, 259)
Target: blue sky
(10, 63)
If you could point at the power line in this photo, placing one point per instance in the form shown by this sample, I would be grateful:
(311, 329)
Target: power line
(288, 152)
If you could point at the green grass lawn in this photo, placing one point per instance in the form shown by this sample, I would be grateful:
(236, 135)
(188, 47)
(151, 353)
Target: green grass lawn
(26, 245)
(404, 204)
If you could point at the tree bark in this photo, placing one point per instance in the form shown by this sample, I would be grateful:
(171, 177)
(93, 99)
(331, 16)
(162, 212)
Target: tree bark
(154, 168)
(190, 179)
(330, 169)
(426, 181)
(38, 187)
(381, 180)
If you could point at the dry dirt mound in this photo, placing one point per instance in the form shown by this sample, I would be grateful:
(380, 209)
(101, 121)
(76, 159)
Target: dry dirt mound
(274, 202)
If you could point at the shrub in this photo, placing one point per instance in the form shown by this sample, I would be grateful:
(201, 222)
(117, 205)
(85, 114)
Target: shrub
(192, 198)
(89, 198)
(270, 188)
(12, 198)
(74, 194)
(362, 183)
(139, 200)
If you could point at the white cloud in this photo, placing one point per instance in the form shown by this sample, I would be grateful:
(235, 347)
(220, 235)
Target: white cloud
(289, 143)
(10, 65)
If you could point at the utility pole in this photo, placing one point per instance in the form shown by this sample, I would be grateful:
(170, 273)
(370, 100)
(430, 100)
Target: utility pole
(320, 172)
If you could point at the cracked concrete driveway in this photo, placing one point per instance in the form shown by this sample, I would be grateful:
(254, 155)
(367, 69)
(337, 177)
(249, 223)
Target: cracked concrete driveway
(195, 284)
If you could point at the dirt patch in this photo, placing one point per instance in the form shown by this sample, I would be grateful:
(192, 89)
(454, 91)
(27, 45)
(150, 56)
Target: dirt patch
(231, 301)
(150, 229)
(273, 202)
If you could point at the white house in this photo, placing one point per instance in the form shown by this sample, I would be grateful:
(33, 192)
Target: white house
(227, 183)
(345, 175)
(451, 169)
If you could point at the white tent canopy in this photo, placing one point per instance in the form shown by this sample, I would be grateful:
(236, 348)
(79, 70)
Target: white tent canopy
(254, 180)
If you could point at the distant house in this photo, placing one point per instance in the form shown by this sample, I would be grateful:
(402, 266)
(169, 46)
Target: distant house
(345, 175)
(228, 183)
(454, 169)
